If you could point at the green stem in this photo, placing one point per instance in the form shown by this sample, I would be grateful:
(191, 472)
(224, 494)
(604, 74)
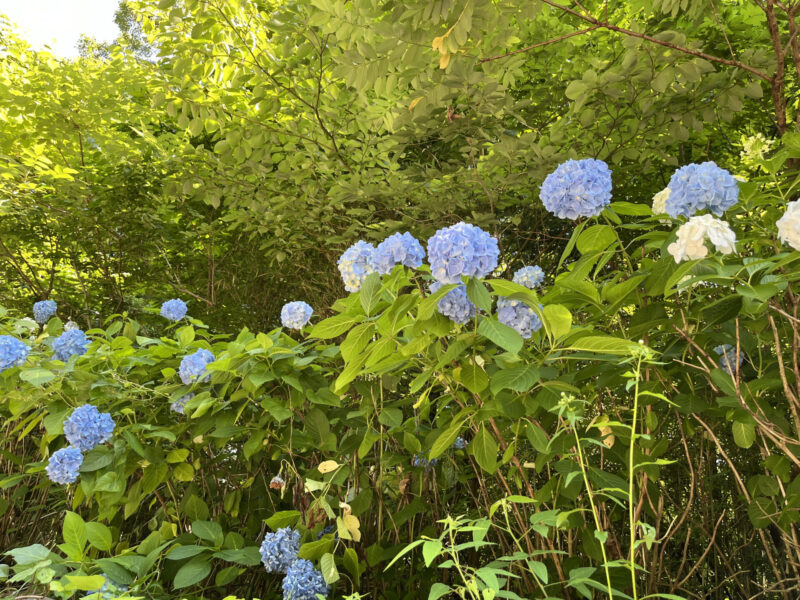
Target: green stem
(631, 474)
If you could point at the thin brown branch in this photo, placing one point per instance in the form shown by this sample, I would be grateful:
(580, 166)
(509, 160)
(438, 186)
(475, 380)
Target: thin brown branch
(539, 45)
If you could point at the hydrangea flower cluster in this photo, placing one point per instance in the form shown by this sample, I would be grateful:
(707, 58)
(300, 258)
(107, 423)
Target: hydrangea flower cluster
(455, 304)
(660, 202)
(789, 225)
(174, 309)
(460, 443)
(397, 249)
(64, 464)
(577, 188)
(728, 361)
(703, 186)
(72, 341)
(519, 316)
(13, 352)
(303, 582)
(421, 461)
(356, 264)
(530, 277)
(87, 427)
(193, 366)
(690, 244)
(179, 405)
(279, 550)
(43, 310)
(294, 315)
(462, 249)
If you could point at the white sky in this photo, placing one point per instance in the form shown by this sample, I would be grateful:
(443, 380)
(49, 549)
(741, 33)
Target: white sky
(59, 23)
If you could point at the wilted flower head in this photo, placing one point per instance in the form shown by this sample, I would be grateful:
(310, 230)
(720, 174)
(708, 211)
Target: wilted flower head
(72, 341)
(728, 361)
(13, 352)
(43, 310)
(530, 277)
(397, 249)
(789, 225)
(179, 405)
(455, 304)
(87, 427)
(356, 264)
(519, 316)
(276, 483)
(294, 315)
(64, 464)
(174, 309)
(462, 249)
(698, 187)
(691, 235)
(304, 582)
(279, 549)
(193, 366)
(577, 188)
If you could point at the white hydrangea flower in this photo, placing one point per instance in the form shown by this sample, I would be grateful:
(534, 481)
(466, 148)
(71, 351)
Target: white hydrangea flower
(755, 147)
(690, 244)
(660, 202)
(789, 225)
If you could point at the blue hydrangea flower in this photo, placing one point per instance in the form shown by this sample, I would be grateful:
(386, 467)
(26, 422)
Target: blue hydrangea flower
(460, 443)
(174, 309)
(421, 461)
(64, 464)
(455, 304)
(530, 277)
(304, 582)
(179, 405)
(462, 249)
(356, 264)
(13, 352)
(728, 361)
(577, 188)
(87, 427)
(701, 187)
(279, 549)
(294, 315)
(397, 249)
(519, 316)
(72, 341)
(43, 310)
(193, 366)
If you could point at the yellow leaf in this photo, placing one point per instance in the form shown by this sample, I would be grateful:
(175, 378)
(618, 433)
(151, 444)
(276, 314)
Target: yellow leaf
(444, 61)
(608, 436)
(327, 466)
(353, 526)
(414, 102)
(438, 43)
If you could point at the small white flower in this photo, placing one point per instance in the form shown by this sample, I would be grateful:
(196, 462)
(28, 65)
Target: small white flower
(789, 225)
(660, 202)
(690, 244)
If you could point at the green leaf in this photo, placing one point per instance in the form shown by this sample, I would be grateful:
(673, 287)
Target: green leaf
(445, 440)
(438, 590)
(99, 536)
(480, 296)
(604, 344)
(484, 449)
(351, 563)
(722, 310)
(357, 339)
(520, 378)
(430, 550)
(596, 239)
(84, 582)
(27, 555)
(192, 572)
(744, 434)
(315, 550)
(284, 518)
(370, 292)
(211, 531)
(474, 378)
(428, 305)
(74, 530)
(327, 565)
(37, 376)
(334, 326)
(502, 335)
(557, 320)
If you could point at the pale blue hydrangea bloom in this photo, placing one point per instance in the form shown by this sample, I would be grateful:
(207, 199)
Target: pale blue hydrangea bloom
(72, 341)
(728, 361)
(294, 315)
(64, 464)
(174, 309)
(304, 582)
(279, 549)
(13, 352)
(193, 366)
(577, 188)
(530, 277)
(462, 249)
(179, 405)
(43, 310)
(699, 187)
(519, 316)
(422, 462)
(397, 249)
(356, 264)
(455, 304)
(87, 427)
(460, 443)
